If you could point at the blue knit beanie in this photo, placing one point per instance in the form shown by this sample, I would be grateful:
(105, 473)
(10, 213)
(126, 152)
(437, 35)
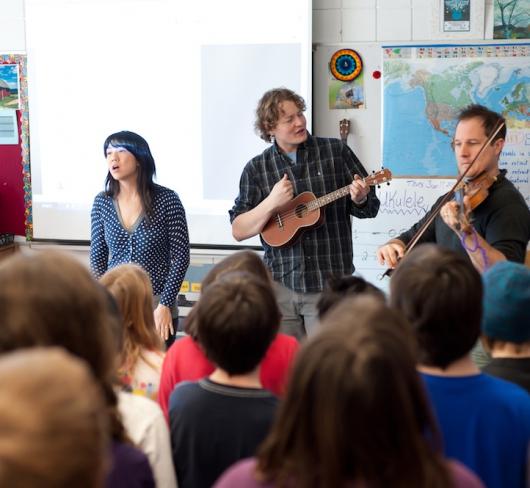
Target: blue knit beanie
(507, 302)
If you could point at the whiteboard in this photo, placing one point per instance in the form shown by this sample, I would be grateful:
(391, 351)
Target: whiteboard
(187, 76)
(403, 203)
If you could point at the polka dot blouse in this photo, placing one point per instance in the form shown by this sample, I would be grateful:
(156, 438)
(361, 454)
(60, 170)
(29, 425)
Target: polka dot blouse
(159, 244)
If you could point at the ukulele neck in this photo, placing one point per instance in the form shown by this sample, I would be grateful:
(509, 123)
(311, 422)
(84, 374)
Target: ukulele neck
(383, 176)
(330, 197)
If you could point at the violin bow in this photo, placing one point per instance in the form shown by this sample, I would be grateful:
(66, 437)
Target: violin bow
(448, 196)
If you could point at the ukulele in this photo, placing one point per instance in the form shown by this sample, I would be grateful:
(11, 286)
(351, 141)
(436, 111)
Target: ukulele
(303, 212)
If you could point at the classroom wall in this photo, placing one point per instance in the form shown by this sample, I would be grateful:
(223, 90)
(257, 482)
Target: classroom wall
(344, 21)
(365, 25)
(357, 24)
(12, 33)
(336, 23)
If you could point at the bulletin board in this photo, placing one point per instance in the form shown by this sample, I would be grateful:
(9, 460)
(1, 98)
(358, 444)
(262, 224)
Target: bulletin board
(15, 182)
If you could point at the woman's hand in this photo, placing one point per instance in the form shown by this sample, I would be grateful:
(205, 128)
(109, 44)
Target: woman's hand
(163, 321)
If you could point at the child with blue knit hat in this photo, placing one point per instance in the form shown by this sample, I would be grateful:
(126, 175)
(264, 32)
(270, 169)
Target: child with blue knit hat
(506, 322)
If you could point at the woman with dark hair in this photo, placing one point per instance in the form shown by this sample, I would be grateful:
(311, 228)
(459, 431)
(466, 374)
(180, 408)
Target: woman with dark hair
(355, 413)
(135, 220)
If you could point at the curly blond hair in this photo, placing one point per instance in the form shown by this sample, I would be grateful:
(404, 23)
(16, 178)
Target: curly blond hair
(269, 111)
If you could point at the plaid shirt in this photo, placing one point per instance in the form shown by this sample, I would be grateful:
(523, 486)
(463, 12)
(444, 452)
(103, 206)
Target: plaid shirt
(322, 166)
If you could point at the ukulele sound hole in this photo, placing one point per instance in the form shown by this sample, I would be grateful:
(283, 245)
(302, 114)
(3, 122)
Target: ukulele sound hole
(300, 211)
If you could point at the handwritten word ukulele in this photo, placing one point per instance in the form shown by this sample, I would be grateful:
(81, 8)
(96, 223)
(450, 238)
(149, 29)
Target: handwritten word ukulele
(303, 212)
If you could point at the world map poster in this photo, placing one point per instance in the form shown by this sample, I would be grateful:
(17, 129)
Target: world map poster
(424, 87)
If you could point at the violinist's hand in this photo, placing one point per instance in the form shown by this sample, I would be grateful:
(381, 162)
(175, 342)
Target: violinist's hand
(359, 190)
(451, 215)
(390, 253)
(281, 193)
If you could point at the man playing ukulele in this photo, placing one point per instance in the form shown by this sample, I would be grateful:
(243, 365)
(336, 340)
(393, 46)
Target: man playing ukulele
(297, 162)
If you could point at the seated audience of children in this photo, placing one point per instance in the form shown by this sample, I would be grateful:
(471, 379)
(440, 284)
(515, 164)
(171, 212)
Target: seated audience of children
(355, 412)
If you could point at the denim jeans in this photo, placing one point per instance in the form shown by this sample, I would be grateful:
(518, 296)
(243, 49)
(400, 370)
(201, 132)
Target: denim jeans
(299, 312)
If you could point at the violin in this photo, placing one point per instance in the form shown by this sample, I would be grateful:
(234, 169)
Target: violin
(470, 194)
(476, 193)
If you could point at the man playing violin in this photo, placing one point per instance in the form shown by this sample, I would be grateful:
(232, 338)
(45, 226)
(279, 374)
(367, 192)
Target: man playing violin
(297, 162)
(499, 226)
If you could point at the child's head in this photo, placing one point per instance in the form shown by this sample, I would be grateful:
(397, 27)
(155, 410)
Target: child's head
(440, 292)
(355, 408)
(131, 288)
(506, 305)
(237, 319)
(246, 261)
(336, 288)
(50, 299)
(53, 421)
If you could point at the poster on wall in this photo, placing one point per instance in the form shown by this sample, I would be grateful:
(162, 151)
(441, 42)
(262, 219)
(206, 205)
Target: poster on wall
(8, 127)
(424, 88)
(511, 19)
(457, 19)
(346, 95)
(9, 87)
(456, 15)
(346, 84)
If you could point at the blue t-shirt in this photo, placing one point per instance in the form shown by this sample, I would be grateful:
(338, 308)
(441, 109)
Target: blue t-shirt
(485, 424)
